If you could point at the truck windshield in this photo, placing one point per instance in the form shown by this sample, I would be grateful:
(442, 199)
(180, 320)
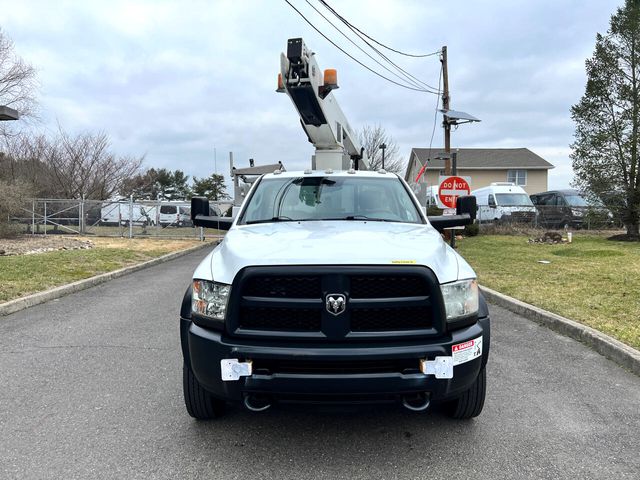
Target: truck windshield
(330, 198)
(513, 200)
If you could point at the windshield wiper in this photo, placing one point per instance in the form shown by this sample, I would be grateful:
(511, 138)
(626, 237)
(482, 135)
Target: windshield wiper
(364, 217)
(280, 218)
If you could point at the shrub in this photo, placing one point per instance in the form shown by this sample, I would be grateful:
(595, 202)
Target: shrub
(13, 196)
(471, 230)
(434, 211)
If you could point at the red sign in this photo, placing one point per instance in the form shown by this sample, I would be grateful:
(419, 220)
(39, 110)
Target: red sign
(462, 346)
(451, 188)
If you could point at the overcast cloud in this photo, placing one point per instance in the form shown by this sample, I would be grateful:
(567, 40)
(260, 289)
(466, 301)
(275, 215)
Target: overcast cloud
(174, 80)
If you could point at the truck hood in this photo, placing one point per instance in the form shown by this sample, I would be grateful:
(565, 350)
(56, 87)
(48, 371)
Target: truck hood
(332, 243)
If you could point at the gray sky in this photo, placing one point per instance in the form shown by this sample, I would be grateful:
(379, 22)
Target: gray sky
(174, 80)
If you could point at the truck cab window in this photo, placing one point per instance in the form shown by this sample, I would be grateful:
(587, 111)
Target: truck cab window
(330, 198)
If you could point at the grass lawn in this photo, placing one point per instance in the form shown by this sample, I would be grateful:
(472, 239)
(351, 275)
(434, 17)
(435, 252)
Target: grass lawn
(21, 275)
(593, 280)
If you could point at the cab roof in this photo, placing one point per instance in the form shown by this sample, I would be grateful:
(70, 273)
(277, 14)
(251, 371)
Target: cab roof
(331, 173)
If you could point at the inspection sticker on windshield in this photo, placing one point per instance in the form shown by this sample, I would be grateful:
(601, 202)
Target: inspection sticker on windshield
(466, 351)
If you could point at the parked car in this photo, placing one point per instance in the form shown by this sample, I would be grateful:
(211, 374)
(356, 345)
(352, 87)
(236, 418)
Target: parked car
(568, 208)
(504, 202)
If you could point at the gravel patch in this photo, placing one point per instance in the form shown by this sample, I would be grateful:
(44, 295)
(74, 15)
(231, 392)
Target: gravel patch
(29, 245)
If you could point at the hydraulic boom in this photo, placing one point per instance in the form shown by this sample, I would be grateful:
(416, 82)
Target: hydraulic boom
(327, 128)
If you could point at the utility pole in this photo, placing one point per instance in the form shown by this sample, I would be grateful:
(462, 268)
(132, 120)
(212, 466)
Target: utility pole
(383, 147)
(445, 107)
(454, 171)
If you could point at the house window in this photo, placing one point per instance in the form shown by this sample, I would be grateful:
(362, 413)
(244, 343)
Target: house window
(519, 177)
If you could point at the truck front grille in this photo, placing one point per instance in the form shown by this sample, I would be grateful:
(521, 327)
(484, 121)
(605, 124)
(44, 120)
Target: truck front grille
(298, 286)
(381, 302)
(383, 319)
(281, 318)
(387, 286)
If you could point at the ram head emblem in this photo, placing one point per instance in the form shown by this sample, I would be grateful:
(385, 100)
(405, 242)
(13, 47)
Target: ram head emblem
(336, 303)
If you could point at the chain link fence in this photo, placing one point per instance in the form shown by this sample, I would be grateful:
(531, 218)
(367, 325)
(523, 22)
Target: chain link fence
(155, 218)
(549, 217)
(114, 218)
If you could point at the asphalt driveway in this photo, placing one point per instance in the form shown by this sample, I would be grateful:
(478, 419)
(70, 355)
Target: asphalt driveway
(90, 387)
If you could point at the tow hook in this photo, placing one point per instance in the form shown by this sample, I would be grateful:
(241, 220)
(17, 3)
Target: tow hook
(256, 403)
(416, 403)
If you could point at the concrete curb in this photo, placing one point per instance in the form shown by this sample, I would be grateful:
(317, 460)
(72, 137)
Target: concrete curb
(609, 347)
(18, 304)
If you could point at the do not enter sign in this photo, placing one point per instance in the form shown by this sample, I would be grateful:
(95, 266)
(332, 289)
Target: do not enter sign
(451, 188)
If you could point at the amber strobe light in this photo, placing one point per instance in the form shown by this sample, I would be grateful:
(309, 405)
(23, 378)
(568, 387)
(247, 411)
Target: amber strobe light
(331, 78)
(280, 88)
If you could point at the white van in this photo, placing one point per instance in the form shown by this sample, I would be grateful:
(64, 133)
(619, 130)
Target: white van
(433, 199)
(117, 213)
(504, 202)
(174, 214)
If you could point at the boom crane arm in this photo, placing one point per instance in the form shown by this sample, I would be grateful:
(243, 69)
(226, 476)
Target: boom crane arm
(321, 117)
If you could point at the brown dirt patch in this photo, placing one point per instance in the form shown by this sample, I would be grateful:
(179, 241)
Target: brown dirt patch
(28, 244)
(33, 244)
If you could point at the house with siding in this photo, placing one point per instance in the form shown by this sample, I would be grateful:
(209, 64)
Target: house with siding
(483, 166)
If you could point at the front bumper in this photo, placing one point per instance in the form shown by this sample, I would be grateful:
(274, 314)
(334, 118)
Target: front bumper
(204, 349)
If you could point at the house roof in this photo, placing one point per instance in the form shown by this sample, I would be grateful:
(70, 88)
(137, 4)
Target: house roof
(485, 159)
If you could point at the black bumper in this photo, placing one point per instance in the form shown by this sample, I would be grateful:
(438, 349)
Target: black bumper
(203, 349)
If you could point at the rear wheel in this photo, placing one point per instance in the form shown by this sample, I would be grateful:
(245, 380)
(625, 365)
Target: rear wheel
(200, 403)
(470, 404)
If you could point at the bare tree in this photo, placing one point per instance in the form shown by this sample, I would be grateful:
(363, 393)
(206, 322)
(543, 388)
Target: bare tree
(18, 83)
(14, 196)
(83, 165)
(67, 166)
(21, 161)
(371, 138)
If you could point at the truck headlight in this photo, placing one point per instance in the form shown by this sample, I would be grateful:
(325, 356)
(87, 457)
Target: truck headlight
(460, 298)
(577, 213)
(210, 299)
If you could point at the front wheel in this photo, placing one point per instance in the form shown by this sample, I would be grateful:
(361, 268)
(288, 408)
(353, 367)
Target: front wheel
(200, 403)
(470, 404)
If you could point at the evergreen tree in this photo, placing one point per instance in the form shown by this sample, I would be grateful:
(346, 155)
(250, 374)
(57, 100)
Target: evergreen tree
(607, 118)
(212, 187)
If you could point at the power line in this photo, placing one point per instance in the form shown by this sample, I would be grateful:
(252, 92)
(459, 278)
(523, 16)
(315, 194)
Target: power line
(355, 59)
(364, 37)
(407, 77)
(374, 40)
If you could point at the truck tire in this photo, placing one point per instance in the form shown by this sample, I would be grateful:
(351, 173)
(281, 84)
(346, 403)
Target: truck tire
(470, 404)
(200, 403)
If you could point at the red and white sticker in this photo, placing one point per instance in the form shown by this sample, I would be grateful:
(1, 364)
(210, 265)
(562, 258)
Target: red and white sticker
(466, 351)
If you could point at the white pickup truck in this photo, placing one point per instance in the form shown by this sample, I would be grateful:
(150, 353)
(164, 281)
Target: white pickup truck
(333, 286)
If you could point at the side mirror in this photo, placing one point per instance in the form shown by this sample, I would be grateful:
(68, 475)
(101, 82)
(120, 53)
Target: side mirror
(200, 215)
(199, 206)
(465, 214)
(467, 205)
